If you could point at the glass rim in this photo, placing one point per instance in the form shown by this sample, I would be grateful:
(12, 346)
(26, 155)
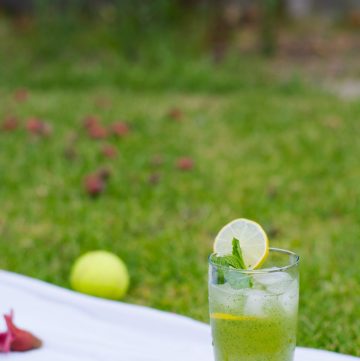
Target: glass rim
(265, 270)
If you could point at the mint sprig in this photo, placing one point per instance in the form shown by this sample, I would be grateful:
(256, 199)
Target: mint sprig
(236, 261)
(236, 251)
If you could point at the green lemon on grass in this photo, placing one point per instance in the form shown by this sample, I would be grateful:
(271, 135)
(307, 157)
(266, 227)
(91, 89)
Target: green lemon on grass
(100, 273)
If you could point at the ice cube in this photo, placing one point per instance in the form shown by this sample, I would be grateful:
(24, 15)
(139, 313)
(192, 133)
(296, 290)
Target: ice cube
(256, 302)
(289, 299)
(274, 282)
(223, 298)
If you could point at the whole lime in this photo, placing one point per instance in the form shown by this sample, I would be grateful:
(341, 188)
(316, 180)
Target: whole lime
(101, 274)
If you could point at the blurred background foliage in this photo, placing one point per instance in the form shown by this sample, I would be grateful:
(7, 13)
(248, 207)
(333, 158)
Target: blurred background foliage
(162, 36)
(262, 96)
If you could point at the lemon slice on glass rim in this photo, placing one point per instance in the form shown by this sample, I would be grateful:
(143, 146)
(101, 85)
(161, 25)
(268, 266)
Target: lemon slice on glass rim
(253, 241)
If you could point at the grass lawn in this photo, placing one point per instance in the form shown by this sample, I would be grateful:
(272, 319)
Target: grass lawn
(284, 155)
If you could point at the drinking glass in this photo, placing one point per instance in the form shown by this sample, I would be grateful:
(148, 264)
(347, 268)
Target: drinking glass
(253, 313)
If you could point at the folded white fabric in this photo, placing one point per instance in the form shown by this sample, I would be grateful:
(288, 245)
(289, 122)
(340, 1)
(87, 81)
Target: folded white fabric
(82, 328)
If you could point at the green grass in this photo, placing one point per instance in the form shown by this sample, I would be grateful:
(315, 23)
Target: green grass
(280, 153)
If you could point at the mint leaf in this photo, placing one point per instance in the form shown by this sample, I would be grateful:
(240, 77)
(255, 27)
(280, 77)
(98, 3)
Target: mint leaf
(236, 251)
(232, 261)
(219, 260)
(238, 281)
(227, 261)
(236, 261)
(246, 281)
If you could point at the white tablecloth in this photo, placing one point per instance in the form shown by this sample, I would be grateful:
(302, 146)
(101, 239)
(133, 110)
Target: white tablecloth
(78, 327)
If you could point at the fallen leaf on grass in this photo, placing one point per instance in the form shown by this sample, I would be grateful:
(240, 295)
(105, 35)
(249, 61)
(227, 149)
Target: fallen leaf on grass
(157, 160)
(333, 122)
(70, 153)
(104, 173)
(38, 127)
(175, 114)
(185, 163)
(21, 95)
(109, 151)
(272, 191)
(273, 232)
(9, 124)
(97, 131)
(94, 127)
(95, 183)
(120, 129)
(71, 140)
(154, 178)
(103, 102)
(90, 121)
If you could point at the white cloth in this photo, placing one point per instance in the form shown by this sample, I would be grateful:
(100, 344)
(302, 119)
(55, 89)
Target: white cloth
(82, 328)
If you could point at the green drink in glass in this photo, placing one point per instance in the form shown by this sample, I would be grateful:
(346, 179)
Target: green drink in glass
(253, 312)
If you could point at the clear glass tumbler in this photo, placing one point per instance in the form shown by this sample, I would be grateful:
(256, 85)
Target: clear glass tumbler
(253, 313)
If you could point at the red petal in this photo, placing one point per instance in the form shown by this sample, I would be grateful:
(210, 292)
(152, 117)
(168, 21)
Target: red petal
(5, 341)
(21, 340)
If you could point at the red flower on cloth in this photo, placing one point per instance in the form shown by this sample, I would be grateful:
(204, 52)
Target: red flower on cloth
(16, 339)
(5, 341)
